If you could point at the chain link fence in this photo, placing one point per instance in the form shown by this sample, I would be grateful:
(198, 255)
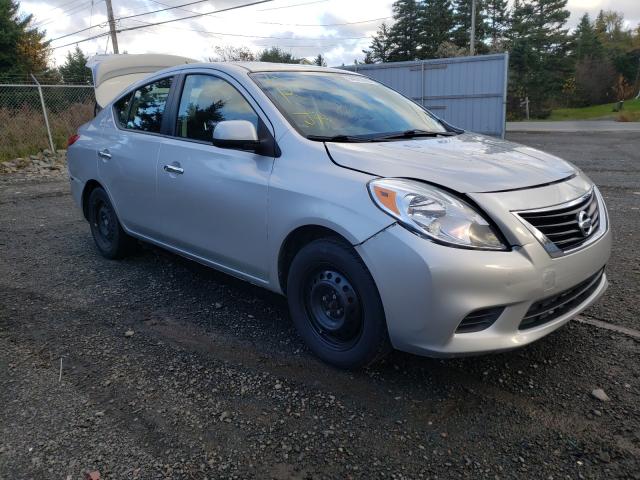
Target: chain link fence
(33, 116)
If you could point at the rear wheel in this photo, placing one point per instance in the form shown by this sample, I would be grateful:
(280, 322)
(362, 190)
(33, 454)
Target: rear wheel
(111, 240)
(335, 305)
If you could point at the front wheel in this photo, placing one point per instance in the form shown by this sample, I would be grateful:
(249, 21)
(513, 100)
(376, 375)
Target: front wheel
(335, 305)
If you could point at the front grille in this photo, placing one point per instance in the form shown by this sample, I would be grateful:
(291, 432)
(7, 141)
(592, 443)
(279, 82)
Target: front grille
(560, 224)
(479, 320)
(550, 308)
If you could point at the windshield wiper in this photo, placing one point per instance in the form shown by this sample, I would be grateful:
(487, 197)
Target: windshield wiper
(340, 138)
(415, 133)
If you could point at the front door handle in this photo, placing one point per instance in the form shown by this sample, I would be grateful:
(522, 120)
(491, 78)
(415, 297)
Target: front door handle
(104, 154)
(173, 169)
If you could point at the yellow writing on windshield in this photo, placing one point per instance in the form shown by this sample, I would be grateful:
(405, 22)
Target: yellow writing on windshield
(311, 119)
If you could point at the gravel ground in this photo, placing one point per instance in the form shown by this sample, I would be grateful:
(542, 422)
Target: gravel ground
(172, 370)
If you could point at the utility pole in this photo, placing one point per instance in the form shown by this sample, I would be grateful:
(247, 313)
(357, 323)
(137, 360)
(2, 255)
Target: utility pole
(112, 26)
(472, 43)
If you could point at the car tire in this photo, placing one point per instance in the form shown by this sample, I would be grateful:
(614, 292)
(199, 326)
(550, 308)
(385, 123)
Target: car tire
(335, 305)
(110, 239)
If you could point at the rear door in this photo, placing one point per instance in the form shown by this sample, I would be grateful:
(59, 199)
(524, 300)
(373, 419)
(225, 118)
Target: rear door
(128, 154)
(214, 200)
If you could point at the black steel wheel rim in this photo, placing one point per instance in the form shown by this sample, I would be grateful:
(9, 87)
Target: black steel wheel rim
(333, 308)
(104, 223)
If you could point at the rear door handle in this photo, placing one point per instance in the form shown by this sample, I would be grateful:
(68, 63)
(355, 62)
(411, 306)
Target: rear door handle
(173, 169)
(104, 154)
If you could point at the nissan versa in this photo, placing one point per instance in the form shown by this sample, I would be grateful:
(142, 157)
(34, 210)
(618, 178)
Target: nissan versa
(384, 226)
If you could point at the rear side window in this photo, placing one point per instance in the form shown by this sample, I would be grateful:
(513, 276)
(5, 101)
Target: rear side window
(121, 108)
(147, 106)
(207, 100)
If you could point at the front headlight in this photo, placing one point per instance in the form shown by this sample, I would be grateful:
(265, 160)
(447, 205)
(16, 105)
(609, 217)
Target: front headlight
(434, 213)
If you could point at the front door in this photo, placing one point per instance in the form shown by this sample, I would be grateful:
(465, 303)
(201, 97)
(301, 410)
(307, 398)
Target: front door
(213, 201)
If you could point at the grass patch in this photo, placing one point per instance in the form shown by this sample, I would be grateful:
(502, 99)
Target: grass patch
(23, 131)
(630, 112)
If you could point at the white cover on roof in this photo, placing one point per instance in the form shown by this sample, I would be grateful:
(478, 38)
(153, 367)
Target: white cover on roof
(114, 73)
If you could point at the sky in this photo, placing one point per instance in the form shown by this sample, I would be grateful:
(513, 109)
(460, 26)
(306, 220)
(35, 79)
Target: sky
(338, 29)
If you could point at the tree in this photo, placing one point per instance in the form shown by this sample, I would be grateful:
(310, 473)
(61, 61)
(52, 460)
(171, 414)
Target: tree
(618, 44)
(380, 48)
(22, 47)
(462, 24)
(595, 80)
(497, 21)
(320, 61)
(404, 34)
(228, 53)
(449, 50)
(539, 44)
(75, 68)
(277, 55)
(609, 28)
(587, 43)
(436, 25)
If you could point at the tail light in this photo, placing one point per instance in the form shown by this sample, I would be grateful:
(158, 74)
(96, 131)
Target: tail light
(72, 139)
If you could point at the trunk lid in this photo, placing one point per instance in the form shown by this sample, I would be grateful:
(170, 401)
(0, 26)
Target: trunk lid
(114, 73)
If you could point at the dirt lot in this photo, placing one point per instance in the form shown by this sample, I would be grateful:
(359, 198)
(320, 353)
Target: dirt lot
(214, 383)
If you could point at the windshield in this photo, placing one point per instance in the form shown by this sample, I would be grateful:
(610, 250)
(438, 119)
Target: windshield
(325, 105)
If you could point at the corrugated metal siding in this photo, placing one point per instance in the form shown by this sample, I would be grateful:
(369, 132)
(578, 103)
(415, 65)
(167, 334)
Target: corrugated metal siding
(468, 92)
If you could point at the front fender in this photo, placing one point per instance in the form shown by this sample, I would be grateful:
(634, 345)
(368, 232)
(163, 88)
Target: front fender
(310, 190)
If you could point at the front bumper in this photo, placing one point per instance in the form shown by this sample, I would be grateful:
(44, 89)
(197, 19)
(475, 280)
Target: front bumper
(427, 289)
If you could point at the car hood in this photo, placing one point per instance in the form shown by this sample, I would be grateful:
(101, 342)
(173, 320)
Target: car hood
(466, 163)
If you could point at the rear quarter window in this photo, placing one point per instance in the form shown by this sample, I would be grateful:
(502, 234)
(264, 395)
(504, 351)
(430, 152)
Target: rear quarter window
(147, 106)
(121, 109)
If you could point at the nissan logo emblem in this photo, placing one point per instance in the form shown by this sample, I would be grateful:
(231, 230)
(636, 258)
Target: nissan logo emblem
(585, 223)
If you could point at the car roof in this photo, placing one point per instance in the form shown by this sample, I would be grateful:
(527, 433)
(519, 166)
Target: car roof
(254, 67)
(115, 73)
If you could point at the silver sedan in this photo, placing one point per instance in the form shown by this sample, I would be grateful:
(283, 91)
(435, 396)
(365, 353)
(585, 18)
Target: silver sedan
(384, 226)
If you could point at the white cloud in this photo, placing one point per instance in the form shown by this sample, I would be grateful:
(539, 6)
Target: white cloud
(296, 28)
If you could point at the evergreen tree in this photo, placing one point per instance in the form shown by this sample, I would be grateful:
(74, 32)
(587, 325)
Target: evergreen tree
(320, 61)
(435, 26)
(22, 47)
(75, 68)
(380, 48)
(587, 43)
(404, 34)
(462, 21)
(497, 21)
(277, 55)
(539, 46)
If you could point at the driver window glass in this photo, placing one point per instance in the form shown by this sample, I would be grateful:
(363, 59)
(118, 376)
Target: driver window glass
(206, 101)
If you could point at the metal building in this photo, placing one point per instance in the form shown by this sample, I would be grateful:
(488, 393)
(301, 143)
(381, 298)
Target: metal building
(467, 92)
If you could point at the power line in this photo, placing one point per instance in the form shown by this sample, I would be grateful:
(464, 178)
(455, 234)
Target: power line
(316, 46)
(56, 8)
(294, 5)
(158, 23)
(325, 24)
(294, 24)
(200, 14)
(64, 14)
(149, 25)
(166, 5)
(157, 11)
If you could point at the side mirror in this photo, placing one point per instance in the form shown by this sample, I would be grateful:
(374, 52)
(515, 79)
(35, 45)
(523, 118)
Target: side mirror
(239, 134)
